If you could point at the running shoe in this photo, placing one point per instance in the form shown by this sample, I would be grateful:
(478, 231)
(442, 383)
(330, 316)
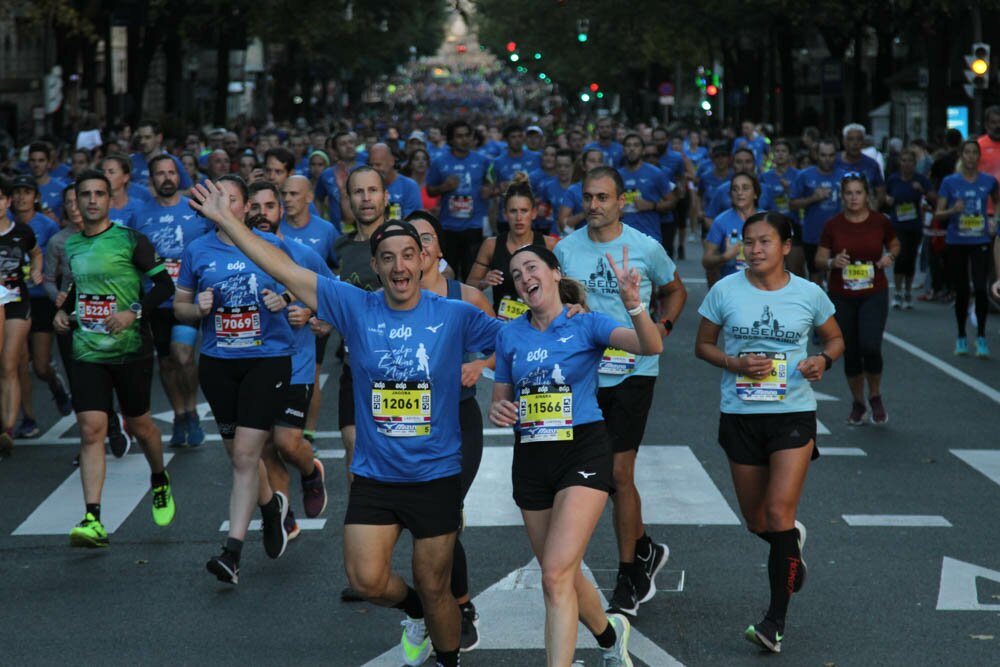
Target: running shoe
(907, 301)
(273, 526)
(6, 444)
(314, 492)
(416, 642)
(179, 435)
(195, 434)
(857, 416)
(962, 347)
(897, 301)
(118, 442)
(88, 533)
(800, 576)
(163, 503)
(617, 655)
(879, 414)
(61, 397)
(291, 525)
(765, 634)
(624, 598)
(650, 564)
(225, 567)
(470, 627)
(982, 351)
(28, 429)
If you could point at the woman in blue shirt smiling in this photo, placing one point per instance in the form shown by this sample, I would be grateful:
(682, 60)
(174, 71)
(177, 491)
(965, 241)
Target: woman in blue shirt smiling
(546, 388)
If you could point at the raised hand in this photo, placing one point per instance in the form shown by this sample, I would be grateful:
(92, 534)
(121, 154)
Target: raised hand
(628, 280)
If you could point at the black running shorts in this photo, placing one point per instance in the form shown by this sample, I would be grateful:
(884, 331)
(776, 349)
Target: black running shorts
(543, 469)
(751, 439)
(626, 407)
(426, 509)
(244, 392)
(42, 313)
(345, 400)
(92, 384)
(297, 399)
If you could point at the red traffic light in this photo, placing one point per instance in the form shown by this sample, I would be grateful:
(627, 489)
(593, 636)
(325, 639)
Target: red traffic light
(461, 48)
(594, 87)
(711, 89)
(511, 47)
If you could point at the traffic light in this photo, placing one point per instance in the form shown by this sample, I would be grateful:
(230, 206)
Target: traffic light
(511, 47)
(584, 97)
(977, 64)
(582, 26)
(711, 90)
(594, 87)
(514, 57)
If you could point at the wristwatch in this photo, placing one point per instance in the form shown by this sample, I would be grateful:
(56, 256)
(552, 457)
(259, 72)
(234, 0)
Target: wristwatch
(136, 308)
(668, 325)
(828, 359)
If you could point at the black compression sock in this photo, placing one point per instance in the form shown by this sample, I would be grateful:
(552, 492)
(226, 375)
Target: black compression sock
(783, 565)
(445, 658)
(644, 544)
(95, 509)
(159, 478)
(764, 536)
(607, 638)
(411, 604)
(459, 572)
(311, 476)
(234, 546)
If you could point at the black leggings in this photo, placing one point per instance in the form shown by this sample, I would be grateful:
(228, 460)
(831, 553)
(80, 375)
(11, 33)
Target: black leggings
(862, 322)
(470, 421)
(964, 260)
(460, 249)
(909, 242)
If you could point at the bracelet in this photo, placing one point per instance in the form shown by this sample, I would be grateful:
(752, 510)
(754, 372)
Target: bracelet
(287, 298)
(725, 360)
(635, 311)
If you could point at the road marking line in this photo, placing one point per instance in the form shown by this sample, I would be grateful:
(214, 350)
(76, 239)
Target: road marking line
(966, 379)
(61, 426)
(986, 461)
(842, 451)
(821, 428)
(958, 591)
(304, 524)
(330, 453)
(897, 520)
(125, 485)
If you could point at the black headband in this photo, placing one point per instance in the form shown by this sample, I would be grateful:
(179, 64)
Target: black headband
(542, 252)
(393, 228)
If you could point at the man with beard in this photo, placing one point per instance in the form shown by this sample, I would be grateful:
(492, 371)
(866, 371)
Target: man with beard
(648, 191)
(150, 138)
(171, 225)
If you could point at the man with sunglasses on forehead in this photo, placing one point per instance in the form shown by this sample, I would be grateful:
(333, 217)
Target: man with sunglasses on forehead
(406, 360)
(851, 159)
(817, 192)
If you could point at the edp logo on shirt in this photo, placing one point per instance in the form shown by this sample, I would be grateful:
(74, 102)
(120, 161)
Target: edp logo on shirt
(539, 355)
(403, 332)
(236, 266)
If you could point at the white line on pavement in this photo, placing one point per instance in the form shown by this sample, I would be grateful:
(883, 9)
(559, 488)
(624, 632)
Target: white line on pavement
(897, 520)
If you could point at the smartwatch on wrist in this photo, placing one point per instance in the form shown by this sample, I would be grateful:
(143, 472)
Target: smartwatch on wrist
(136, 309)
(828, 359)
(668, 325)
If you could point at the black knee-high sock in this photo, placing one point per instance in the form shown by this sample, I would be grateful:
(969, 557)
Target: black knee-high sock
(459, 572)
(446, 658)
(782, 567)
(411, 604)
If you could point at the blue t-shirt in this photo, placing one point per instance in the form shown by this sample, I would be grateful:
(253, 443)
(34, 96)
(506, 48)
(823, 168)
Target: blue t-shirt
(328, 191)
(140, 170)
(971, 226)
(721, 233)
(777, 197)
(566, 354)
(582, 259)
(648, 183)
(614, 153)
(905, 212)
(505, 166)
(461, 208)
(126, 215)
(407, 372)
(672, 163)
(722, 199)
(709, 181)
(171, 229)
(44, 229)
(239, 326)
(139, 193)
(573, 199)
(697, 156)
(51, 195)
(865, 165)
(758, 145)
(318, 234)
(553, 195)
(772, 322)
(816, 215)
(404, 198)
(304, 340)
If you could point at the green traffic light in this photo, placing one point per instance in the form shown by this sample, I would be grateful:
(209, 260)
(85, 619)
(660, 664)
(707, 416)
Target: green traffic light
(538, 56)
(581, 37)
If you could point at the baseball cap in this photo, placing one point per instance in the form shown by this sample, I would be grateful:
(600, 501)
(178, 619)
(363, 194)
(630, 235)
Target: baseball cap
(24, 181)
(418, 135)
(534, 128)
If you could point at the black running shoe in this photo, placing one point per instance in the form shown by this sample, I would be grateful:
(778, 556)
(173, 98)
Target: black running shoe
(470, 627)
(765, 634)
(118, 442)
(650, 563)
(225, 567)
(273, 526)
(624, 599)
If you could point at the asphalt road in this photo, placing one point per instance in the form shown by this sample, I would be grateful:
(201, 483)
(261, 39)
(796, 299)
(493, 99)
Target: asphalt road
(904, 567)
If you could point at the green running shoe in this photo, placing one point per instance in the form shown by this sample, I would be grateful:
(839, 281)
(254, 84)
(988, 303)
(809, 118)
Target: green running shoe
(765, 634)
(88, 533)
(163, 503)
(416, 642)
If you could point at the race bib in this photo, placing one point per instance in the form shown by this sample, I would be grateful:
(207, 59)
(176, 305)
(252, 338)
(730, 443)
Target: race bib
(237, 327)
(511, 309)
(971, 225)
(906, 212)
(544, 210)
(631, 196)
(858, 276)
(173, 268)
(460, 206)
(93, 309)
(402, 409)
(545, 413)
(781, 203)
(771, 388)
(395, 212)
(11, 282)
(616, 362)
